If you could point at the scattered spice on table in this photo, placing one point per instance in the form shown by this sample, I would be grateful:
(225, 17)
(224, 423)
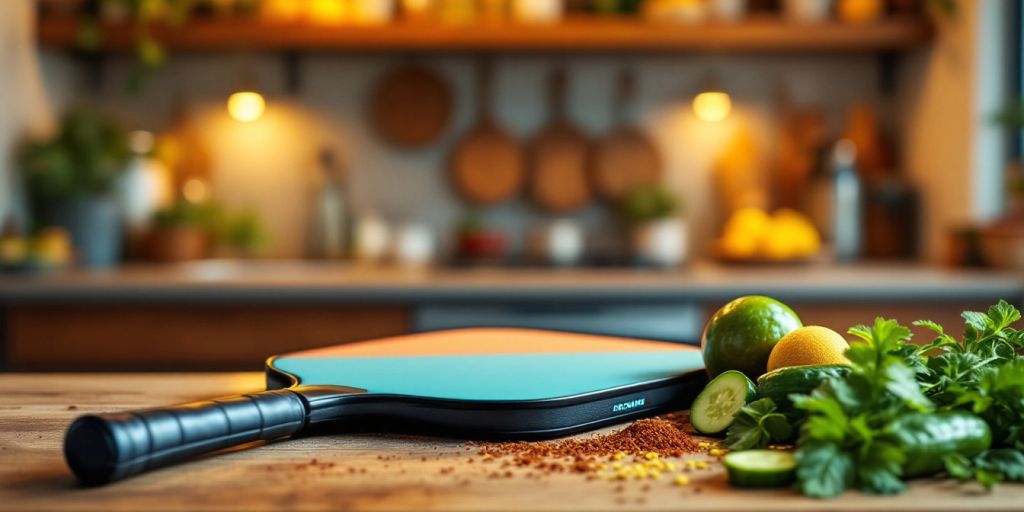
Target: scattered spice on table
(601, 456)
(644, 436)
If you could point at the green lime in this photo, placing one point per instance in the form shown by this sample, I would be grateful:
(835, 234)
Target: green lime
(741, 335)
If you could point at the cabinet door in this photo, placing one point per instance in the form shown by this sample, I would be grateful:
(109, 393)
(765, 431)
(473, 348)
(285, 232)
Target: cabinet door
(169, 337)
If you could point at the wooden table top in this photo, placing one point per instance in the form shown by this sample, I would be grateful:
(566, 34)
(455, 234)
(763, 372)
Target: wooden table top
(350, 471)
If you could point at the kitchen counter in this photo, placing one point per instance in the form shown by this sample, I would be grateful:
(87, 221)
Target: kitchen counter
(285, 281)
(351, 471)
(225, 315)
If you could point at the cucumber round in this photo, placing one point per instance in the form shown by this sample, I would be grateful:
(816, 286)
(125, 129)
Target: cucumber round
(760, 468)
(781, 383)
(715, 408)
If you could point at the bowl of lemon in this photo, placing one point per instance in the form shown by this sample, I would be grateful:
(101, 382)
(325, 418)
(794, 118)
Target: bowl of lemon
(753, 235)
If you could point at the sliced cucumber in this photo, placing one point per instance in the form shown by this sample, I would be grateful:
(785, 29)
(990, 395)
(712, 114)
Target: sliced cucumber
(715, 408)
(760, 468)
(779, 384)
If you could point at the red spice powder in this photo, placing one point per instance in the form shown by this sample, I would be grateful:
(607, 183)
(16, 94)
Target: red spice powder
(643, 436)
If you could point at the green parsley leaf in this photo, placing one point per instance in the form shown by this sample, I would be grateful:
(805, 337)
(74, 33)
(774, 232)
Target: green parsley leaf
(823, 470)
(901, 382)
(958, 466)
(777, 426)
(757, 425)
(977, 324)
(988, 479)
(1006, 461)
(1003, 315)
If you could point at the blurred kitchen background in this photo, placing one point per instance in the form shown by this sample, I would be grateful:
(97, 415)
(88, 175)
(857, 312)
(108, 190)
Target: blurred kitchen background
(198, 184)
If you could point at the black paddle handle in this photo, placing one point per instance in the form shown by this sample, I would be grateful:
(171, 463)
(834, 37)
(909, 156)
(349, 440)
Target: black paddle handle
(101, 448)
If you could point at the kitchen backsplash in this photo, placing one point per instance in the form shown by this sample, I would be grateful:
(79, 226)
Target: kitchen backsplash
(267, 164)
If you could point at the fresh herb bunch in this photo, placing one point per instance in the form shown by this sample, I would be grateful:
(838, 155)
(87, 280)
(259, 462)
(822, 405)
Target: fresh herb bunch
(843, 442)
(989, 340)
(906, 410)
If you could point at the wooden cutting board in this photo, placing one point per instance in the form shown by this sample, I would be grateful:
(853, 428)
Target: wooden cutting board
(488, 165)
(626, 157)
(558, 170)
(411, 107)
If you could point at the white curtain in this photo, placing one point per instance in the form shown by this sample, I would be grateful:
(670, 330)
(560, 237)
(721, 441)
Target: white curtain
(24, 107)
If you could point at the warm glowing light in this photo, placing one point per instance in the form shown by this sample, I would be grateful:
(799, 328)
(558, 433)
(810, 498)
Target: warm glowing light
(328, 12)
(195, 190)
(712, 106)
(246, 106)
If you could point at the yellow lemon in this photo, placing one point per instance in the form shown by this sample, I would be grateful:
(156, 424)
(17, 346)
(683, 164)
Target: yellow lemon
(789, 235)
(747, 221)
(13, 250)
(800, 230)
(780, 242)
(738, 246)
(808, 345)
(778, 247)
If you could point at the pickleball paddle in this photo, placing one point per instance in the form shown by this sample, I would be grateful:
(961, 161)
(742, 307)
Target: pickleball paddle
(476, 383)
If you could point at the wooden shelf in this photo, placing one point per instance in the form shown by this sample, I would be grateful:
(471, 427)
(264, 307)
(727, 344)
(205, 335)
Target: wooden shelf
(582, 34)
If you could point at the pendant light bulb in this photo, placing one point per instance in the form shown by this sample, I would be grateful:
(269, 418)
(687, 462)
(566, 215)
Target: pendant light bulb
(246, 106)
(712, 106)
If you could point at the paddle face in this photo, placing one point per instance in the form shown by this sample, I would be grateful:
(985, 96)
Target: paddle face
(488, 380)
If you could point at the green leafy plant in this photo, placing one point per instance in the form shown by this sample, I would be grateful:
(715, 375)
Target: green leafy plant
(185, 214)
(1011, 119)
(647, 203)
(243, 231)
(83, 158)
(1012, 115)
(144, 16)
(944, 8)
(989, 468)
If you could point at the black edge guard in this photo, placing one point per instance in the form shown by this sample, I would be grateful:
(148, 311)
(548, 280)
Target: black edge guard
(102, 448)
(524, 419)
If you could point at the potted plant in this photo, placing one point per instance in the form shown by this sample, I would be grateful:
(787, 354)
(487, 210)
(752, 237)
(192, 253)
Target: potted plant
(478, 243)
(658, 234)
(180, 232)
(188, 231)
(1002, 240)
(242, 234)
(70, 178)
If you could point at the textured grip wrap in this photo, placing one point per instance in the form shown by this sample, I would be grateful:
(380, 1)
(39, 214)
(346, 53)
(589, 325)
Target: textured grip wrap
(102, 448)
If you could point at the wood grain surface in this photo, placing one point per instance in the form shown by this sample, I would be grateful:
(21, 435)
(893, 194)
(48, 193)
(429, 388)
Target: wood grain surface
(575, 34)
(359, 472)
